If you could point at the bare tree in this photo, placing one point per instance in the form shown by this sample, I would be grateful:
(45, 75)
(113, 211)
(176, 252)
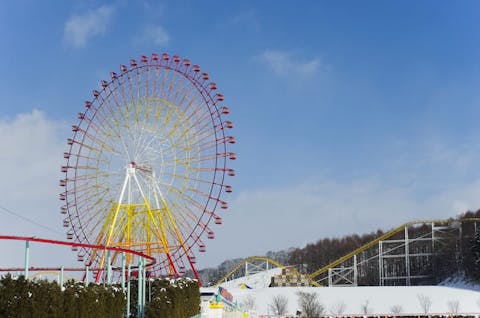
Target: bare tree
(249, 303)
(309, 304)
(396, 309)
(365, 307)
(279, 304)
(425, 303)
(453, 306)
(338, 308)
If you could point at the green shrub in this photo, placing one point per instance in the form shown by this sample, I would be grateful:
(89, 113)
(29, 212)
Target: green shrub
(21, 298)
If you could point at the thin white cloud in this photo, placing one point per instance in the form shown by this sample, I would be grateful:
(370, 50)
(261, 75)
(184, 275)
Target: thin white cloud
(284, 63)
(31, 151)
(427, 178)
(81, 28)
(153, 34)
(157, 35)
(246, 19)
(275, 219)
(432, 180)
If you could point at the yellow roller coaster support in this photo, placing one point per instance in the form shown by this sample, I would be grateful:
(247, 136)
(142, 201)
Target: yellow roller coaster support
(375, 242)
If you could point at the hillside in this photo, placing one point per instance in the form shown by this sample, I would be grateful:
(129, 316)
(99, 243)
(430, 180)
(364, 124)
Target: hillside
(460, 255)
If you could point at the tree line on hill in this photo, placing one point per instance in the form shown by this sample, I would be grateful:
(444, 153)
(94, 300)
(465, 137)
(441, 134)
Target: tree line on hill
(459, 253)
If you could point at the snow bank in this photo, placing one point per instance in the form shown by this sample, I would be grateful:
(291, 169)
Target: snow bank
(377, 300)
(455, 292)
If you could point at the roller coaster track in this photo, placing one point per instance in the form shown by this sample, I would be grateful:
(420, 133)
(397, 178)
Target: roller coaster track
(241, 263)
(346, 257)
(73, 244)
(383, 237)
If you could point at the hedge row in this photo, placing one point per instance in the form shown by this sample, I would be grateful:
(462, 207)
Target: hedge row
(172, 298)
(39, 298)
(21, 298)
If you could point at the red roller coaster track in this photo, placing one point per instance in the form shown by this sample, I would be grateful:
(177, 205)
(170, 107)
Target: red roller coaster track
(55, 242)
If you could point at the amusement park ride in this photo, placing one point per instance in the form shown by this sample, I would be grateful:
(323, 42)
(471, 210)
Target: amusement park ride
(146, 166)
(145, 171)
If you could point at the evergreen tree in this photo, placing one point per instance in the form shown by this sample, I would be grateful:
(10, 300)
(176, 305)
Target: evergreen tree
(475, 272)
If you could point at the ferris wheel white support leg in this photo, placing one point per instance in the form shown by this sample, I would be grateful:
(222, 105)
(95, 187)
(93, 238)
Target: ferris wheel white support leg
(130, 171)
(138, 185)
(127, 182)
(112, 226)
(156, 189)
(176, 230)
(159, 229)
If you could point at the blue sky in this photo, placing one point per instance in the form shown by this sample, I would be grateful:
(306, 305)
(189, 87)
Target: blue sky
(349, 115)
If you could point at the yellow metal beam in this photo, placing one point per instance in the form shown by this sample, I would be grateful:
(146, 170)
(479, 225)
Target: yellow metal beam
(241, 263)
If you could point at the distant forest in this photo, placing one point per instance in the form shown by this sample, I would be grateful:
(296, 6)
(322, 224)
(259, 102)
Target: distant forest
(459, 255)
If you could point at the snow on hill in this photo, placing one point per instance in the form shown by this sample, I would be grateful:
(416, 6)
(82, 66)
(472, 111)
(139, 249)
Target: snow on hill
(354, 300)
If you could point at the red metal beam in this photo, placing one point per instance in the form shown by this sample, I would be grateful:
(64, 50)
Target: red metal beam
(93, 246)
(43, 269)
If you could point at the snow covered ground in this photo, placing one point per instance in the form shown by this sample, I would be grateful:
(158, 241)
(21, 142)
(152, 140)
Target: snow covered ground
(376, 300)
(454, 296)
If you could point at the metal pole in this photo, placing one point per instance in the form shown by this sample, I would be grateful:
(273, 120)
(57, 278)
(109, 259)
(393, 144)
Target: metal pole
(355, 273)
(123, 271)
(27, 258)
(433, 237)
(144, 286)
(380, 262)
(128, 290)
(104, 271)
(109, 268)
(149, 290)
(87, 274)
(460, 253)
(434, 254)
(140, 291)
(61, 278)
(407, 257)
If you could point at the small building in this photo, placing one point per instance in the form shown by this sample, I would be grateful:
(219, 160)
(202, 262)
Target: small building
(289, 277)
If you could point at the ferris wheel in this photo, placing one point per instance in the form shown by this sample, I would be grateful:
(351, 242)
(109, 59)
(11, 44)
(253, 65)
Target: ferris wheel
(147, 164)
